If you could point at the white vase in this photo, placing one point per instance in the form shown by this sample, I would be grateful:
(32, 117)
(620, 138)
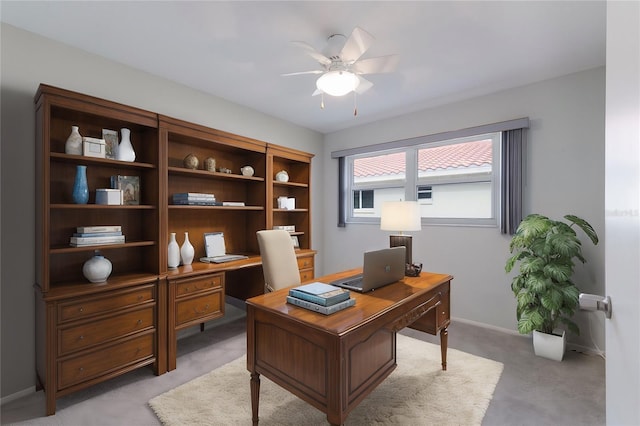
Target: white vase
(125, 149)
(186, 250)
(74, 142)
(551, 346)
(173, 257)
(97, 269)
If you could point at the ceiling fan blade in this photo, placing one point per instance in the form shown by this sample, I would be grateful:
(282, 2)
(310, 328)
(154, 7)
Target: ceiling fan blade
(363, 86)
(312, 52)
(357, 43)
(382, 64)
(316, 92)
(302, 72)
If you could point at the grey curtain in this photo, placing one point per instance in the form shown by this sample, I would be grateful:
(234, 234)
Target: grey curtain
(342, 193)
(511, 184)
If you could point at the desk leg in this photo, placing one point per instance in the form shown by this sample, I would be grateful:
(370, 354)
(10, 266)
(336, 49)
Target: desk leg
(255, 396)
(444, 340)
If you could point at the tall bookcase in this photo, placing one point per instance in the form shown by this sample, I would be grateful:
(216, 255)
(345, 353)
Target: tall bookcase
(87, 333)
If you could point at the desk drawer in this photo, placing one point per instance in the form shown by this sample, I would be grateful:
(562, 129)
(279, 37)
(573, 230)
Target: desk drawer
(204, 307)
(85, 367)
(306, 275)
(305, 262)
(88, 307)
(96, 332)
(186, 287)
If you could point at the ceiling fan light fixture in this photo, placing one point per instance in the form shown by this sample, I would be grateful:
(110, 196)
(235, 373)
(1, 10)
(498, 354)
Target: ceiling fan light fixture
(337, 83)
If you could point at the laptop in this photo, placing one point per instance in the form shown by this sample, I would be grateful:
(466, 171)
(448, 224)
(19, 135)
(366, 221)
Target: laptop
(381, 267)
(216, 251)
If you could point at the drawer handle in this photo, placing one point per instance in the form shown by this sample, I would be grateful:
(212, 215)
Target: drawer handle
(140, 297)
(206, 308)
(81, 309)
(81, 337)
(139, 322)
(81, 369)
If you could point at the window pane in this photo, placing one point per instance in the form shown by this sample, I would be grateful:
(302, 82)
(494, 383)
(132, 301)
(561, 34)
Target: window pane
(367, 199)
(458, 200)
(468, 161)
(380, 168)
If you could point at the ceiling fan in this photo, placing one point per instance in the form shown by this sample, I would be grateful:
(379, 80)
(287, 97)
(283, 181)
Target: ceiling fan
(341, 66)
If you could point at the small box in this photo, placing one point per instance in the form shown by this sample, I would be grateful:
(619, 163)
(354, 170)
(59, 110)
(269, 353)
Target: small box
(111, 197)
(93, 147)
(291, 203)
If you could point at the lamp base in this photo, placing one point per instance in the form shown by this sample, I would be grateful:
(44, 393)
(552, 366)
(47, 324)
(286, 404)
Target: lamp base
(402, 240)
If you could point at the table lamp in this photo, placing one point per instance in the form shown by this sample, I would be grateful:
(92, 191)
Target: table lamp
(401, 216)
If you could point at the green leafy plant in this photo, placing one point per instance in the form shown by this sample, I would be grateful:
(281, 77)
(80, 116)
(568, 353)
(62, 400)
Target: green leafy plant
(544, 291)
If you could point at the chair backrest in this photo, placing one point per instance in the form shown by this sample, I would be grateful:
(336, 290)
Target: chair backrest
(279, 263)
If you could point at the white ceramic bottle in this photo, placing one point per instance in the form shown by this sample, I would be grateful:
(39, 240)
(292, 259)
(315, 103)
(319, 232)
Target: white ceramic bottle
(186, 250)
(125, 149)
(173, 257)
(97, 269)
(74, 142)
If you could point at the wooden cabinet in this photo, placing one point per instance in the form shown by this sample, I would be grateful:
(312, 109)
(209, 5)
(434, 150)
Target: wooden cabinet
(90, 332)
(77, 321)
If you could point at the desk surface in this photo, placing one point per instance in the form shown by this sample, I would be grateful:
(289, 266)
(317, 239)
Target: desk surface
(333, 362)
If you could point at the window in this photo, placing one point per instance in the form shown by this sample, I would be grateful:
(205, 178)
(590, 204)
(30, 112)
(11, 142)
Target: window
(454, 180)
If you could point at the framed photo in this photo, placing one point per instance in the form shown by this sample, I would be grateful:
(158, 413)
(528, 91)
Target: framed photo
(130, 186)
(294, 240)
(111, 143)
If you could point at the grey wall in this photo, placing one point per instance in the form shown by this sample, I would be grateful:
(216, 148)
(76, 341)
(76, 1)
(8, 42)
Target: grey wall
(564, 174)
(27, 61)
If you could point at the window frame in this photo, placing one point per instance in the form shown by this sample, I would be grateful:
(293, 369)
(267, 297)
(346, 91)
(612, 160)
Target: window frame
(411, 182)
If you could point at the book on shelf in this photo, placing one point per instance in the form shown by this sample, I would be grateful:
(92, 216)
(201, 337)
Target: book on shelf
(288, 228)
(326, 310)
(92, 229)
(320, 293)
(94, 241)
(193, 196)
(97, 234)
(130, 186)
(233, 203)
(197, 203)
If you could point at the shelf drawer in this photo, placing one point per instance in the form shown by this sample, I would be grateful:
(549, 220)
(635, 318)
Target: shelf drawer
(191, 286)
(305, 262)
(96, 332)
(88, 307)
(306, 275)
(197, 308)
(85, 367)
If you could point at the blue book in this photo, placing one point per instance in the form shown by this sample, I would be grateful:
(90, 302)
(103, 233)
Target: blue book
(319, 308)
(320, 293)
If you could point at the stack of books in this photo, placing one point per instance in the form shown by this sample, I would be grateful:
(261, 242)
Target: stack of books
(320, 297)
(195, 199)
(97, 235)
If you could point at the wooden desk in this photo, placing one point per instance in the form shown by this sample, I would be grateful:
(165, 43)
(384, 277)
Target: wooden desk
(333, 362)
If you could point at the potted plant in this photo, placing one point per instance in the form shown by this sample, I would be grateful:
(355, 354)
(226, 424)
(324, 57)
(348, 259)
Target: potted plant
(545, 294)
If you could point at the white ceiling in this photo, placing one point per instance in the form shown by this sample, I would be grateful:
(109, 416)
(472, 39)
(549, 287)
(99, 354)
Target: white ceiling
(449, 50)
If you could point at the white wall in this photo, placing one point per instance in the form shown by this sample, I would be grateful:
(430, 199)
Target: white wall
(564, 174)
(27, 61)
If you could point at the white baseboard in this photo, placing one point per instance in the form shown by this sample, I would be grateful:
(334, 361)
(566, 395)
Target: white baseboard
(17, 395)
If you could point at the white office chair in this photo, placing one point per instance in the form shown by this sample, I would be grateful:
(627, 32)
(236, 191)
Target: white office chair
(279, 263)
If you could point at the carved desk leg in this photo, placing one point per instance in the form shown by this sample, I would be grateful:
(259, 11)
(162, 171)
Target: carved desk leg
(255, 396)
(444, 339)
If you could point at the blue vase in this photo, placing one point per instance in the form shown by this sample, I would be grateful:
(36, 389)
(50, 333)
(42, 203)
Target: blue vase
(80, 187)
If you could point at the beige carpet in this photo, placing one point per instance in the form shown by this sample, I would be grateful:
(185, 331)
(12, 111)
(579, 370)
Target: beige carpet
(418, 392)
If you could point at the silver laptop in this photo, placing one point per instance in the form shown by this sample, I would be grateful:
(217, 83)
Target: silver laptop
(381, 267)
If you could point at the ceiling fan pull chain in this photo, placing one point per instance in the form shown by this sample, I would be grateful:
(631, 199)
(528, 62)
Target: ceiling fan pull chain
(355, 104)
(322, 100)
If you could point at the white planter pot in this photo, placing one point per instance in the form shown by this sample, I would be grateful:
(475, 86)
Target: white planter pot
(550, 346)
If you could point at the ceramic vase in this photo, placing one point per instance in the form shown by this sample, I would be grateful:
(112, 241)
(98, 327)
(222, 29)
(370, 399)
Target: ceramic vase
(80, 187)
(125, 149)
(186, 250)
(74, 142)
(97, 269)
(173, 257)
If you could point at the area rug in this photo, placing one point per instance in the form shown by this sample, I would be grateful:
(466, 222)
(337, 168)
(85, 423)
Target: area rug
(418, 392)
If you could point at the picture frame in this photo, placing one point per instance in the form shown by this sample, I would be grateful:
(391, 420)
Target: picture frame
(295, 241)
(130, 186)
(111, 143)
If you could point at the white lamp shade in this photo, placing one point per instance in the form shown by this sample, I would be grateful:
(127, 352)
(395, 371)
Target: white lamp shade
(400, 216)
(337, 83)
